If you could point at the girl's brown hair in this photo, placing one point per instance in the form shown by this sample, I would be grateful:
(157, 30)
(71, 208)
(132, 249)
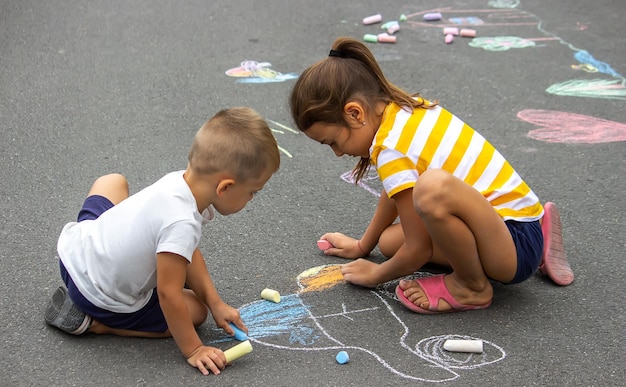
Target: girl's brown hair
(349, 73)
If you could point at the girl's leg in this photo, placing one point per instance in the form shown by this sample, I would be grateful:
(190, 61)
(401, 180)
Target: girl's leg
(391, 239)
(468, 234)
(197, 310)
(113, 187)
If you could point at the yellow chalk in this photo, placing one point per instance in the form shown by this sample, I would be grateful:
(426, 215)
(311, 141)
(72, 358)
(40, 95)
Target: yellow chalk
(270, 295)
(238, 351)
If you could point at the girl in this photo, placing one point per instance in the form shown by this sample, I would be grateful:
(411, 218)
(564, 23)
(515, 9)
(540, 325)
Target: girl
(459, 201)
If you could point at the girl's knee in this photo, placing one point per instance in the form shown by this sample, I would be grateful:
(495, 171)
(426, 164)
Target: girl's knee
(431, 192)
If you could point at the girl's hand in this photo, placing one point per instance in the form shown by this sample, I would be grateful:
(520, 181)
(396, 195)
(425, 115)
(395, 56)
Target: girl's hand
(361, 272)
(207, 359)
(344, 246)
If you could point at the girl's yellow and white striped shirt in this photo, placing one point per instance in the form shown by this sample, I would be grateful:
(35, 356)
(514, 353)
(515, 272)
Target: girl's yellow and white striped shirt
(409, 143)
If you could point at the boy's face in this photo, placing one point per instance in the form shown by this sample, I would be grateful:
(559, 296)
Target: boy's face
(236, 195)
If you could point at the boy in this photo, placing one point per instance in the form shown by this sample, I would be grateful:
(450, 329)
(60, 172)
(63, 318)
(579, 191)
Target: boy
(126, 261)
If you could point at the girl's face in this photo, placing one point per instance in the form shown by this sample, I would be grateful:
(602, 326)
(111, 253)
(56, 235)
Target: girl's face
(353, 141)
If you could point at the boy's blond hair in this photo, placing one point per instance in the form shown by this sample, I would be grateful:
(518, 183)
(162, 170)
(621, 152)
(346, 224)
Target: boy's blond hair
(237, 141)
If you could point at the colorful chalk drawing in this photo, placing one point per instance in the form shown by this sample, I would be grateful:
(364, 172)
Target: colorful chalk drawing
(314, 319)
(572, 128)
(250, 71)
(506, 13)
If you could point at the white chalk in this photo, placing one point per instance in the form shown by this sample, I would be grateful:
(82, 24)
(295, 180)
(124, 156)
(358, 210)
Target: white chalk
(373, 19)
(471, 346)
(270, 295)
(238, 351)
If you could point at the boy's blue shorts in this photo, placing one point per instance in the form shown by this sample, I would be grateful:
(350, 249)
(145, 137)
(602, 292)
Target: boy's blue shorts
(148, 319)
(528, 240)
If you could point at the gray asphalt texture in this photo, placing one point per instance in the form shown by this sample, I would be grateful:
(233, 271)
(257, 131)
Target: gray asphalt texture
(89, 88)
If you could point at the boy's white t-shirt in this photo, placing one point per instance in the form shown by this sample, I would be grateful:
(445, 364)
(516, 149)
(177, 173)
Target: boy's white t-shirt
(112, 260)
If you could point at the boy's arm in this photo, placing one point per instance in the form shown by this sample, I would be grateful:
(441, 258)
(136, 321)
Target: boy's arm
(199, 280)
(171, 275)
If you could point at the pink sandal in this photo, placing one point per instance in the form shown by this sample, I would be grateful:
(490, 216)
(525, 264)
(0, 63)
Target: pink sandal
(554, 261)
(435, 289)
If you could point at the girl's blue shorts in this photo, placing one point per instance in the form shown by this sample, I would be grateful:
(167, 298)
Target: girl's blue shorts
(528, 240)
(150, 318)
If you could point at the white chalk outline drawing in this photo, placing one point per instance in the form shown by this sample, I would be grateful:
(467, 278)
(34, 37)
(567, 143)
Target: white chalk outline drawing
(292, 320)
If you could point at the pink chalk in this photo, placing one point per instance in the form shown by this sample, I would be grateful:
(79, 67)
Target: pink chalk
(323, 244)
(467, 33)
(393, 28)
(450, 31)
(449, 38)
(373, 19)
(386, 38)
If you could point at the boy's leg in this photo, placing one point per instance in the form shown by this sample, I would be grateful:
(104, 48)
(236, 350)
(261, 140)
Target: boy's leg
(113, 187)
(468, 234)
(196, 308)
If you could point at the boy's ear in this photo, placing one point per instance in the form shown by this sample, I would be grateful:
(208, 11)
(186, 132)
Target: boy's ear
(224, 185)
(354, 111)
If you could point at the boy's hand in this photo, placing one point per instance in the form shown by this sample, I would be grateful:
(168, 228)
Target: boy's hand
(223, 314)
(344, 246)
(207, 359)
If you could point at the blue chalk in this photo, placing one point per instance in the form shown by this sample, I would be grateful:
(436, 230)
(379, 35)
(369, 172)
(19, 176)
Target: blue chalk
(342, 357)
(239, 334)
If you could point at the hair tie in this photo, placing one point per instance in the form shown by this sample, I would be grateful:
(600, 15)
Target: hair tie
(337, 54)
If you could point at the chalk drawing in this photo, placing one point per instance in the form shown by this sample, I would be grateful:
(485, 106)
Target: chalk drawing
(282, 129)
(315, 319)
(250, 71)
(371, 177)
(506, 13)
(562, 127)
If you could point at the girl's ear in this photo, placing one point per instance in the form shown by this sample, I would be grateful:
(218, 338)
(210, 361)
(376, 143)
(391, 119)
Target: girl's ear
(354, 111)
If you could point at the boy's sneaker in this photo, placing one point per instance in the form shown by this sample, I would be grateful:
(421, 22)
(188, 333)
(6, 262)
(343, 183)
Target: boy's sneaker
(62, 313)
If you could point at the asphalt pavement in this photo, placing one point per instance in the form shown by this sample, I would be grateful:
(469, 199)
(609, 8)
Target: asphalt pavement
(89, 88)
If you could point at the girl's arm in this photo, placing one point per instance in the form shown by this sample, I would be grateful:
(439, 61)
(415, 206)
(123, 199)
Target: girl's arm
(347, 247)
(384, 216)
(413, 254)
(417, 248)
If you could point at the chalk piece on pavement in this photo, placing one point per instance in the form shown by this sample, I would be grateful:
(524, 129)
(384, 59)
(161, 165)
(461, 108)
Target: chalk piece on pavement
(323, 244)
(238, 351)
(386, 38)
(342, 357)
(370, 38)
(373, 19)
(449, 38)
(432, 16)
(451, 30)
(239, 334)
(467, 33)
(471, 346)
(270, 295)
